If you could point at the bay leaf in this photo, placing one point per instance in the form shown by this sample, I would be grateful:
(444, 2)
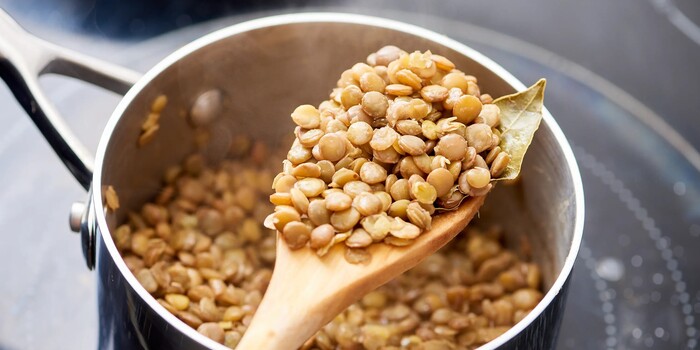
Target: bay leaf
(521, 114)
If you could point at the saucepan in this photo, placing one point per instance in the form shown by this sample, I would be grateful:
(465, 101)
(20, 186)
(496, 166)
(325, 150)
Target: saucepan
(263, 69)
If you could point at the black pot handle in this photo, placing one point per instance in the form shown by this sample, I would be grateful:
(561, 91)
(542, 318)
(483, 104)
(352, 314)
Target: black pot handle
(24, 57)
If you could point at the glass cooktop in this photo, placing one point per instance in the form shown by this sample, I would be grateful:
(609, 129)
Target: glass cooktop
(636, 283)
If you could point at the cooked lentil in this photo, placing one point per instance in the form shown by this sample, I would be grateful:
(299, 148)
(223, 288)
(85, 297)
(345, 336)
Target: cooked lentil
(148, 135)
(111, 198)
(150, 125)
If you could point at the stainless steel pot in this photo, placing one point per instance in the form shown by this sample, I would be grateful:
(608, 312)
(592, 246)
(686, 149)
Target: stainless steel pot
(264, 68)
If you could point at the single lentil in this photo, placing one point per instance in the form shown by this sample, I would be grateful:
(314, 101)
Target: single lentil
(338, 201)
(111, 199)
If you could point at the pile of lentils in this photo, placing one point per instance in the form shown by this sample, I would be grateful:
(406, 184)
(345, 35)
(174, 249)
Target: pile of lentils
(199, 248)
(400, 136)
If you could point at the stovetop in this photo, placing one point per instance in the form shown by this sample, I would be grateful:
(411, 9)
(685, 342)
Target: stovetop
(622, 77)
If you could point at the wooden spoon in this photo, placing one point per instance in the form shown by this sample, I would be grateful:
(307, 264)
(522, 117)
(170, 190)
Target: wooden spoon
(307, 291)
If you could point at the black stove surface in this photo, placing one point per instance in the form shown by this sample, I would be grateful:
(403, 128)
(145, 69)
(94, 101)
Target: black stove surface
(622, 77)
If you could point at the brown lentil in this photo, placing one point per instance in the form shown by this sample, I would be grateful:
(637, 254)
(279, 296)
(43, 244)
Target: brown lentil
(377, 226)
(321, 236)
(310, 187)
(408, 167)
(479, 137)
(307, 117)
(299, 200)
(343, 176)
(486, 99)
(442, 62)
(307, 170)
(356, 114)
(159, 103)
(466, 108)
(398, 209)
(499, 164)
(359, 239)
(371, 81)
(178, 301)
(375, 104)
(360, 133)
(327, 170)
(434, 93)
(423, 162)
(412, 145)
(359, 69)
(338, 201)
(409, 127)
(397, 242)
(463, 184)
(399, 90)
(148, 135)
(350, 96)
(151, 121)
(478, 177)
(367, 204)
(296, 234)
(111, 198)
(491, 156)
(332, 147)
(388, 156)
(409, 78)
(387, 54)
(423, 192)
(212, 331)
(442, 180)
(400, 190)
(479, 162)
(455, 168)
(404, 230)
(455, 80)
(473, 88)
(489, 115)
(526, 299)
(372, 173)
(298, 154)
(383, 138)
(353, 188)
(418, 216)
(345, 220)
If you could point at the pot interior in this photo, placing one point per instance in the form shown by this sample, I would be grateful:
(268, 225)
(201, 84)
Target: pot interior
(265, 73)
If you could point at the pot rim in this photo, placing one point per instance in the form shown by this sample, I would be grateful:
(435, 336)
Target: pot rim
(319, 17)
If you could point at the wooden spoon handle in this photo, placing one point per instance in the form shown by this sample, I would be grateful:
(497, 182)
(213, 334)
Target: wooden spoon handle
(289, 312)
(307, 291)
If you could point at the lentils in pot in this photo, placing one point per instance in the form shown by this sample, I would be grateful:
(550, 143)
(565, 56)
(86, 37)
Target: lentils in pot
(199, 246)
(462, 297)
(401, 137)
(200, 249)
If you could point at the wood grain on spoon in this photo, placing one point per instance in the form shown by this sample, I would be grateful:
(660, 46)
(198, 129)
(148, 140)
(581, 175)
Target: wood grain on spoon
(308, 291)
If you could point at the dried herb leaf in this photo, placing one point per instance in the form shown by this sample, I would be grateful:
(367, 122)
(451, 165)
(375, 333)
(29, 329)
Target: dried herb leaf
(521, 114)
